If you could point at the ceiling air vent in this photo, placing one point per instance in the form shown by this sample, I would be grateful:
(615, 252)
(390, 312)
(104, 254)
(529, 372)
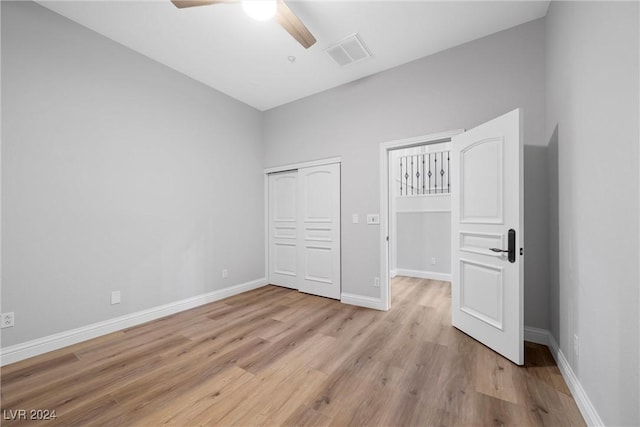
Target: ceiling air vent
(348, 51)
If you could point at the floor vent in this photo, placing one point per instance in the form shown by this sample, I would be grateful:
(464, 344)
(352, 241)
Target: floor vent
(348, 51)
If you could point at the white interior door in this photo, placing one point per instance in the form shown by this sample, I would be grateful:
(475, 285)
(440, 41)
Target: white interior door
(487, 202)
(283, 229)
(319, 230)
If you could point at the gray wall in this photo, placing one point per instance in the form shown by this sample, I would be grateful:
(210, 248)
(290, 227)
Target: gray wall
(592, 125)
(117, 174)
(421, 236)
(458, 88)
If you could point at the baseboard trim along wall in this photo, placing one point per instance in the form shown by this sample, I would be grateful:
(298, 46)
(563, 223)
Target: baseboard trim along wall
(362, 301)
(18, 352)
(423, 274)
(536, 335)
(588, 411)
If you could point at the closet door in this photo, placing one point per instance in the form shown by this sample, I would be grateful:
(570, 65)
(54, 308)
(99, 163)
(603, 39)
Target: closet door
(283, 229)
(319, 230)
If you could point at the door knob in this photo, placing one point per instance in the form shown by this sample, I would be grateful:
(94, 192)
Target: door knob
(511, 251)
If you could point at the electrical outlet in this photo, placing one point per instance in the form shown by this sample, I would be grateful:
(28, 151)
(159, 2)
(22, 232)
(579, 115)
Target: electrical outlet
(115, 297)
(433, 260)
(7, 320)
(576, 346)
(373, 219)
(376, 282)
(225, 273)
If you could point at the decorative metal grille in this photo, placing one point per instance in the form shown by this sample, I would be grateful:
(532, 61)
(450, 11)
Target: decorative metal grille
(422, 174)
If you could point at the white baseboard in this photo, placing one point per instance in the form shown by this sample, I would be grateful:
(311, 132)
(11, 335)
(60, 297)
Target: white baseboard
(536, 335)
(362, 301)
(393, 273)
(22, 351)
(588, 411)
(423, 274)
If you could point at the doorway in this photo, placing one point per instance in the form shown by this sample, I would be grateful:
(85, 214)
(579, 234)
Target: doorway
(487, 223)
(405, 146)
(420, 212)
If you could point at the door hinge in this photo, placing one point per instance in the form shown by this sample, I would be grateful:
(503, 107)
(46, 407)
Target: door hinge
(521, 251)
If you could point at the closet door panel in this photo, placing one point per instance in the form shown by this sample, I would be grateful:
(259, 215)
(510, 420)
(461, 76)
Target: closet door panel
(283, 229)
(319, 230)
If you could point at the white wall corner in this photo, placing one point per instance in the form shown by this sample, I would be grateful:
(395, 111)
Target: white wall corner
(362, 301)
(18, 352)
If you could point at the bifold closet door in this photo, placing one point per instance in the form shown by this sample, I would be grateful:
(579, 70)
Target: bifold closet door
(319, 230)
(304, 230)
(283, 224)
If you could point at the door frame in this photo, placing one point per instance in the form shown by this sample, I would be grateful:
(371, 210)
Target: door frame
(385, 149)
(284, 168)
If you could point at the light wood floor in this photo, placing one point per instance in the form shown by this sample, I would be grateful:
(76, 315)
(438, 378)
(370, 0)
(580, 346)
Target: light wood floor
(278, 357)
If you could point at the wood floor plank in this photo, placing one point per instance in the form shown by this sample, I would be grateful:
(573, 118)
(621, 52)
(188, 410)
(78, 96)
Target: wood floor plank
(274, 352)
(494, 375)
(39, 371)
(351, 337)
(74, 387)
(150, 394)
(383, 381)
(489, 410)
(265, 384)
(272, 407)
(305, 416)
(201, 397)
(211, 329)
(274, 356)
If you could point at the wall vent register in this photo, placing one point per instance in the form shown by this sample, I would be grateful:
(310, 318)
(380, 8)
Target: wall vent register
(348, 51)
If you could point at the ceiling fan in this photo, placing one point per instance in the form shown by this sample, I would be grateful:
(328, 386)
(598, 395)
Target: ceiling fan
(263, 10)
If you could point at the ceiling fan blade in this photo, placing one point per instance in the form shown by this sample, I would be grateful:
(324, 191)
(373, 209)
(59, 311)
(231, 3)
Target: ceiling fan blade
(294, 26)
(181, 4)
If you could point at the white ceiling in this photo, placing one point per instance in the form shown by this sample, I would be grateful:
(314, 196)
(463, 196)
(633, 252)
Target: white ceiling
(221, 47)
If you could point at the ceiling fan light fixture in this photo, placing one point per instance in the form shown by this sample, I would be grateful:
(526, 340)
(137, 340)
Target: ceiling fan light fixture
(260, 10)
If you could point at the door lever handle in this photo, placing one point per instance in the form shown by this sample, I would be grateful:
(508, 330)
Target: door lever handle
(511, 252)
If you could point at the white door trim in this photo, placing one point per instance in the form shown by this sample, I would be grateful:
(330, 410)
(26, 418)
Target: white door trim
(275, 169)
(292, 166)
(385, 147)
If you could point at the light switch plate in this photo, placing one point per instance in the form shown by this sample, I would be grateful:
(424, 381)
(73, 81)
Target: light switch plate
(355, 219)
(373, 219)
(115, 297)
